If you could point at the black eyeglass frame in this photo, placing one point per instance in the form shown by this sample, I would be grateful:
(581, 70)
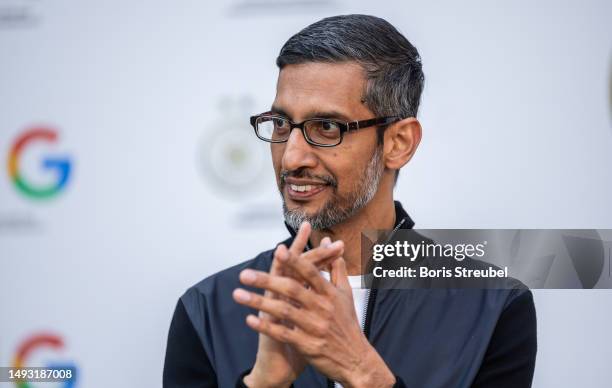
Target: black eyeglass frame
(344, 126)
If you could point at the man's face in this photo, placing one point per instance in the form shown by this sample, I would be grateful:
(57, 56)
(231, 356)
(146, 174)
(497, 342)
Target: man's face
(325, 186)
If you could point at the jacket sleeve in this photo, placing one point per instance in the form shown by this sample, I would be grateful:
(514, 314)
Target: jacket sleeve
(186, 364)
(510, 358)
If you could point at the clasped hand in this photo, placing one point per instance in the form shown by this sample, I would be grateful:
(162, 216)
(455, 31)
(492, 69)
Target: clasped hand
(304, 318)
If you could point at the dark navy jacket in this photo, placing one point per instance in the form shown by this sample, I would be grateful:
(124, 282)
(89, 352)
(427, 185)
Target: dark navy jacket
(428, 337)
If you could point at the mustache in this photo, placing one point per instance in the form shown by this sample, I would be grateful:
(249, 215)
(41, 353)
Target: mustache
(303, 173)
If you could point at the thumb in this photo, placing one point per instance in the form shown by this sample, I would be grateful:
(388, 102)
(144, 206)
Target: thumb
(339, 275)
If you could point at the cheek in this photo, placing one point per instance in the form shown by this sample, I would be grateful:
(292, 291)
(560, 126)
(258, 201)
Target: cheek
(347, 177)
(341, 167)
(276, 151)
(348, 165)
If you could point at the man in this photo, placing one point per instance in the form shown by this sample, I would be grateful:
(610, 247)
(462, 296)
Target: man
(341, 126)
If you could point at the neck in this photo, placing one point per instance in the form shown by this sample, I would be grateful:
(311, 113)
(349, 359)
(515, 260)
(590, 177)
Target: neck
(379, 213)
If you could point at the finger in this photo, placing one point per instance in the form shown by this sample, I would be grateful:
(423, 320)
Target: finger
(279, 332)
(281, 285)
(301, 239)
(324, 255)
(276, 268)
(339, 275)
(282, 270)
(280, 310)
(309, 272)
(325, 241)
(280, 251)
(324, 265)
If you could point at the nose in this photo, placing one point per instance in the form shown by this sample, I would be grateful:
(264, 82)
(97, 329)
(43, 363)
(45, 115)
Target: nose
(298, 153)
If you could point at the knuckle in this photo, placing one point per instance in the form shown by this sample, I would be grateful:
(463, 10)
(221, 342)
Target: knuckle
(264, 325)
(286, 311)
(325, 327)
(261, 280)
(318, 347)
(283, 334)
(311, 271)
(333, 298)
(309, 349)
(321, 328)
(293, 290)
(326, 307)
(256, 301)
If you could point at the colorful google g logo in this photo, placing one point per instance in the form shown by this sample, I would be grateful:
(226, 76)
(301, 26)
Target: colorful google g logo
(39, 341)
(61, 165)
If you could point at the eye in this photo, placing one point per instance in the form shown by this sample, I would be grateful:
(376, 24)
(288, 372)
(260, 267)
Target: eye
(281, 123)
(330, 126)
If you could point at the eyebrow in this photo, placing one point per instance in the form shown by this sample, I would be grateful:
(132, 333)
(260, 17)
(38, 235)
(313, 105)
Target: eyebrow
(332, 114)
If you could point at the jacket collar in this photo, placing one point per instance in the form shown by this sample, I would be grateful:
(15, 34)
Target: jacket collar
(402, 219)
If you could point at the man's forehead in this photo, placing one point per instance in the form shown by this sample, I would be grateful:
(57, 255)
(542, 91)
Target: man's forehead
(303, 90)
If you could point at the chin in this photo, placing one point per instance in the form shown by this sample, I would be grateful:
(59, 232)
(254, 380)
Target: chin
(307, 207)
(310, 208)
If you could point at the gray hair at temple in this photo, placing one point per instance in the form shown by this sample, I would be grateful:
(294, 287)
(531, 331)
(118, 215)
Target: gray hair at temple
(392, 64)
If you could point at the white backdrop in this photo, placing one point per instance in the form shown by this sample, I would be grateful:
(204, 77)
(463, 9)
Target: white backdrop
(151, 100)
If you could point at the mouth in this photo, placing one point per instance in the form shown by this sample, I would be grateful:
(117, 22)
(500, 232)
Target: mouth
(301, 192)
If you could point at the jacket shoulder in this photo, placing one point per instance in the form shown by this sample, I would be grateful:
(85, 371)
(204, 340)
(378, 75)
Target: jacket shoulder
(228, 278)
(209, 304)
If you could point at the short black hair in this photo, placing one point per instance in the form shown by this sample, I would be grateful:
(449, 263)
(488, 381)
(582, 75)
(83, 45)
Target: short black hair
(393, 65)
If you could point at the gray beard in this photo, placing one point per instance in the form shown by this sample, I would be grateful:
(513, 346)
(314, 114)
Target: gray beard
(338, 209)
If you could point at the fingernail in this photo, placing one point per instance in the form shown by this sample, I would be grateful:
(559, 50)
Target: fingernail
(248, 276)
(326, 241)
(253, 320)
(336, 244)
(242, 295)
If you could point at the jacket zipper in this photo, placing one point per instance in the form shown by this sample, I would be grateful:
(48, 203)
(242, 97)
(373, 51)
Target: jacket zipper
(368, 310)
(370, 298)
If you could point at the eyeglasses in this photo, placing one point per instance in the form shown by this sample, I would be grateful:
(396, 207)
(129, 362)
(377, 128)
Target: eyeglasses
(274, 128)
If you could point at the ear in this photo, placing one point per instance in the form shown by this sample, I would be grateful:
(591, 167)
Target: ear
(401, 141)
